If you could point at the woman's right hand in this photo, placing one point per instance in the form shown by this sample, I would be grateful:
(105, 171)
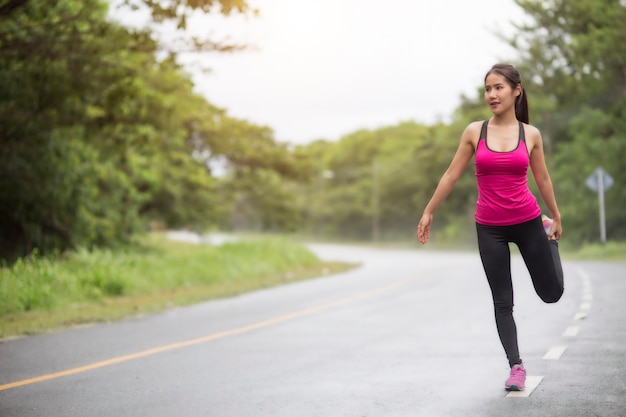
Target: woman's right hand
(423, 228)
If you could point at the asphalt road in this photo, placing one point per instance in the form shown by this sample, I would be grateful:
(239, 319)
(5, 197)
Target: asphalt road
(409, 333)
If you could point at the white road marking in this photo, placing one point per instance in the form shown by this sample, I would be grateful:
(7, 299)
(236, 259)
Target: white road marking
(583, 274)
(554, 352)
(532, 382)
(580, 316)
(585, 306)
(570, 331)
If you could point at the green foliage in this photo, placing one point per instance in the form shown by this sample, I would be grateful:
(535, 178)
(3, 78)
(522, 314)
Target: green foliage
(591, 148)
(100, 273)
(571, 61)
(178, 13)
(574, 50)
(100, 137)
(33, 283)
(258, 200)
(48, 50)
(46, 283)
(610, 251)
(373, 184)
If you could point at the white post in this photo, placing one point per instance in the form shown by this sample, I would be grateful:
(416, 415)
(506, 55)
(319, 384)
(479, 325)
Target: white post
(375, 202)
(601, 201)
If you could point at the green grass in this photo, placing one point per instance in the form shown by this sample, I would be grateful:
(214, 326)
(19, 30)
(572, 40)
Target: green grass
(610, 251)
(40, 294)
(45, 293)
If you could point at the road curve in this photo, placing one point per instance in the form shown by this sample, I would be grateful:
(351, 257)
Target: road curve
(409, 333)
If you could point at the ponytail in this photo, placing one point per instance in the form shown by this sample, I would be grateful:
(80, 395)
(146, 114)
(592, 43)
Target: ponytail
(521, 107)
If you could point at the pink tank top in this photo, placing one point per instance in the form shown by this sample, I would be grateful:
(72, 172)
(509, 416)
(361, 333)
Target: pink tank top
(504, 198)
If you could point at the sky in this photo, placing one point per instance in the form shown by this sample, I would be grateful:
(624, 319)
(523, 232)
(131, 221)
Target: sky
(321, 69)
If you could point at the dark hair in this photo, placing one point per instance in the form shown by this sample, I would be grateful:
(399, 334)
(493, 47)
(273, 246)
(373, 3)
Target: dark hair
(511, 74)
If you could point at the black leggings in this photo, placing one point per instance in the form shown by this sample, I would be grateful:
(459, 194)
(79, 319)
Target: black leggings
(542, 260)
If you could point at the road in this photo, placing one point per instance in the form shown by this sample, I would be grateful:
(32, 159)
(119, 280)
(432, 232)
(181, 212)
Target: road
(409, 333)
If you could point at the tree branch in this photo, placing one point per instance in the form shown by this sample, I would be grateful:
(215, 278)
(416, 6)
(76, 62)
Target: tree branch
(10, 6)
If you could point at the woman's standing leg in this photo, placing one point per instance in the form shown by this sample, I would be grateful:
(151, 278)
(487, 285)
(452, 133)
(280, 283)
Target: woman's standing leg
(495, 254)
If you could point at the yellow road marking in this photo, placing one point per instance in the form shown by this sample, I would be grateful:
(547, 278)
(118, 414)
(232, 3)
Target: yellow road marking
(208, 338)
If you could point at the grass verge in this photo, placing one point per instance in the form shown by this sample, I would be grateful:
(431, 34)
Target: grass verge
(41, 294)
(609, 251)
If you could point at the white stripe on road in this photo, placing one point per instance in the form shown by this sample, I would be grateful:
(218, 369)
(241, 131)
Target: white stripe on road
(554, 353)
(570, 331)
(532, 382)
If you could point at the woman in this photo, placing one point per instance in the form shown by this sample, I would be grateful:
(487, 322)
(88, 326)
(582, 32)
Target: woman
(506, 211)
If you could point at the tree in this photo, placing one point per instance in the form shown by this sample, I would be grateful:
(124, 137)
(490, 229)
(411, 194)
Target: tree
(578, 47)
(98, 135)
(48, 51)
(371, 183)
(178, 13)
(575, 52)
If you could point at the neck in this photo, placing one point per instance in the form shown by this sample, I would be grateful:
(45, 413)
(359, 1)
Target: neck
(504, 119)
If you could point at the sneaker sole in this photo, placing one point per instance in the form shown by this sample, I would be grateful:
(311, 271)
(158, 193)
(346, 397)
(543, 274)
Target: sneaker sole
(514, 388)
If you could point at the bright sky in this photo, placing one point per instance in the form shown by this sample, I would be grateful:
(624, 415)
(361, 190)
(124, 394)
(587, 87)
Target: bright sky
(325, 68)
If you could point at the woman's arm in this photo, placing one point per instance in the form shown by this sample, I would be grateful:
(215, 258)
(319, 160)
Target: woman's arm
(464, 153)
(543, 181)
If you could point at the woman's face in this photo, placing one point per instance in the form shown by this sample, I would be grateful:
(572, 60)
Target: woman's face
(499, 95)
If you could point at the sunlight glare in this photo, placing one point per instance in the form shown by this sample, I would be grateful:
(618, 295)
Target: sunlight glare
(311, 22)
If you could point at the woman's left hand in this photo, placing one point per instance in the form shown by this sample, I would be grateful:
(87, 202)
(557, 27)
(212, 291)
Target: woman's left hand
(556, 230)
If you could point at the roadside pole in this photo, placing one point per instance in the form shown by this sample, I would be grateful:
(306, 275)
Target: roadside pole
(600, 181)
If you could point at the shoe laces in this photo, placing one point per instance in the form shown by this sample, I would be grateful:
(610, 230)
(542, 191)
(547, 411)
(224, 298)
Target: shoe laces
(518, 372)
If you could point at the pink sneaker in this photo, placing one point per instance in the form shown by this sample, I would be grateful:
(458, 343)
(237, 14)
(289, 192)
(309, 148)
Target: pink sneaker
(547, 223)
(517, 379)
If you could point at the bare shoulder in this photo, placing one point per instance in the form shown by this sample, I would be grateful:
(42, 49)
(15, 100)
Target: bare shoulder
(531, 130)
(475, 127)
(471, 133)
(533, 135)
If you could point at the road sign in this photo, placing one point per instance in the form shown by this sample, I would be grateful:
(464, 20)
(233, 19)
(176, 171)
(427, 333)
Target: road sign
(599, 181)
(599, 178)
